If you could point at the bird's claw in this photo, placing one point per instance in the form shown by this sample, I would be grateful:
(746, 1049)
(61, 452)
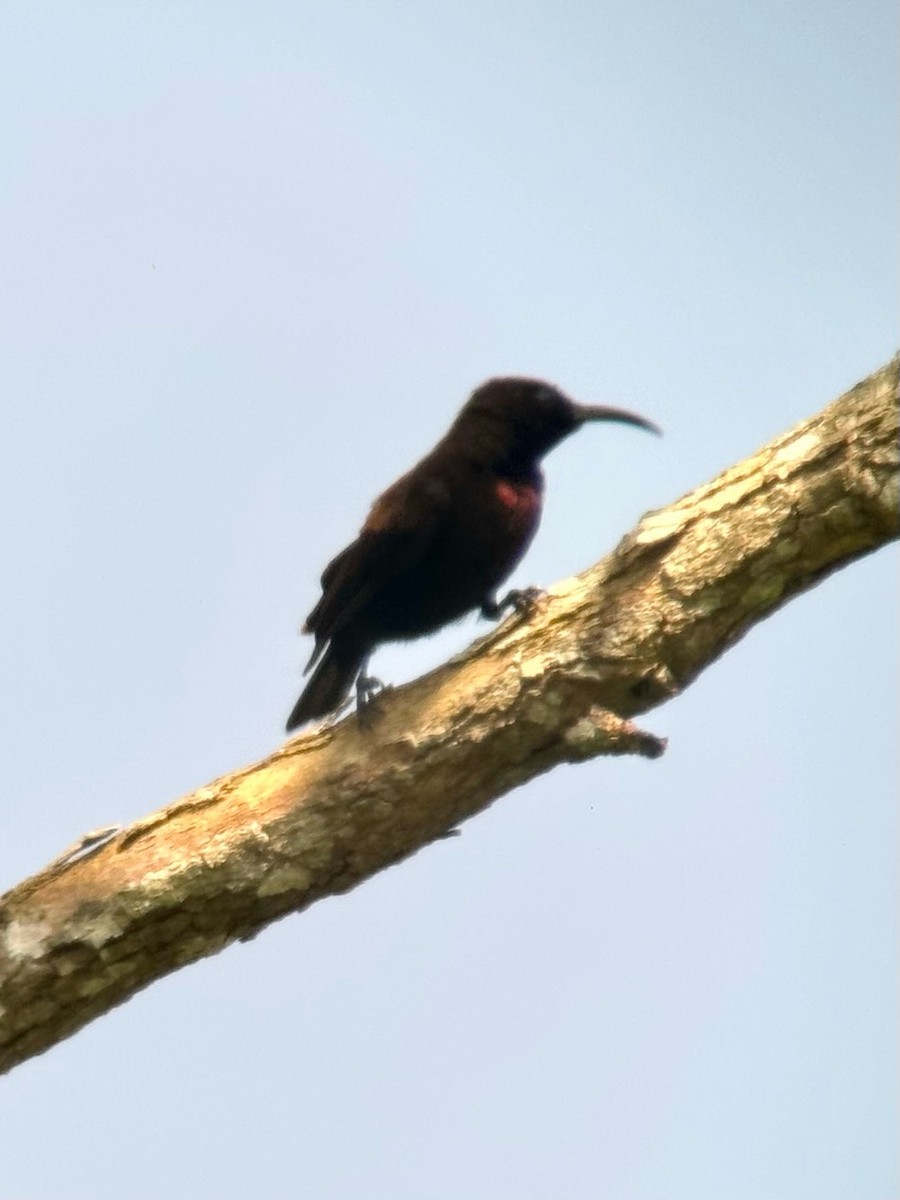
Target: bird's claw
(368, 689)
(521, 601)
(524, 600)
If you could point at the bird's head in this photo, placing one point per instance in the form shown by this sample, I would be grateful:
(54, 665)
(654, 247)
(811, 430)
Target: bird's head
(519, 420)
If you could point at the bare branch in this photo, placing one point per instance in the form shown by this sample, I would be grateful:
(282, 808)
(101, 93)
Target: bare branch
(332, 807)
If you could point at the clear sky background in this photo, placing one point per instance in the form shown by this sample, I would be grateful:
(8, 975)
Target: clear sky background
(254, 257)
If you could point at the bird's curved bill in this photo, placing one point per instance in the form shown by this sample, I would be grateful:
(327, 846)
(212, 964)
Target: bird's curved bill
(600, 412)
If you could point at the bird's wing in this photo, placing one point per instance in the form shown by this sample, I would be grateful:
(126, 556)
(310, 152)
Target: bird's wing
(398, 530)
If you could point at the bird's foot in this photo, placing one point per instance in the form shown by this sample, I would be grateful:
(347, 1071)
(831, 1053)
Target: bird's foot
(368, 689)
(521, 601)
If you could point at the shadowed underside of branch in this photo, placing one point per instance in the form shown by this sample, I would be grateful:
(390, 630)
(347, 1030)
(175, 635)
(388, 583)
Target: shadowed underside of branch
(332, 807)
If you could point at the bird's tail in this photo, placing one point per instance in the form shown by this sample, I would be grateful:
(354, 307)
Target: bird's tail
(329, 685)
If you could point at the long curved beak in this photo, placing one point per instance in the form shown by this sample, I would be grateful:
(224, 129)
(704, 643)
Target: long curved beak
(599, 412)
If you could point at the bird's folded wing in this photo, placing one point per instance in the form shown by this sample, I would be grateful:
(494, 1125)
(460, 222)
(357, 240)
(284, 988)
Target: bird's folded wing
(397, 532)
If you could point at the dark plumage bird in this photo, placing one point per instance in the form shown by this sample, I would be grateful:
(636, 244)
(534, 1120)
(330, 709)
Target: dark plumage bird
(441, 540)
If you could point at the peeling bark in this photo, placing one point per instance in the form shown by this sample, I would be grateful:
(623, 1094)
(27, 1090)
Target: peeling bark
(330, 808)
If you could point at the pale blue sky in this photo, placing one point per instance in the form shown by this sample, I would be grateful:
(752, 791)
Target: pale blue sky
(254, 258)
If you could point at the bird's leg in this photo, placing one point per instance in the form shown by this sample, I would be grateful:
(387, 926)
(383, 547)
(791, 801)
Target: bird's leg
(367, 690)
(521, 601)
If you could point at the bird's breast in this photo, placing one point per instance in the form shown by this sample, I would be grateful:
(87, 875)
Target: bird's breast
(520, 501)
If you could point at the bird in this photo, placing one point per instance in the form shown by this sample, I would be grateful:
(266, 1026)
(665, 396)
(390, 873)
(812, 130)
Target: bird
(441, 540)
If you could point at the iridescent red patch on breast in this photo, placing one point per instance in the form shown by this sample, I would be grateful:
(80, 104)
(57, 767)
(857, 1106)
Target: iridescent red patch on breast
(522, 498)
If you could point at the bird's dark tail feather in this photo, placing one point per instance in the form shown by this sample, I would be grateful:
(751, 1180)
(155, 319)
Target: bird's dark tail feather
(329, 685)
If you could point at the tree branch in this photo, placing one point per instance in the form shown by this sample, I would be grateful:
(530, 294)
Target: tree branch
(332, 807)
